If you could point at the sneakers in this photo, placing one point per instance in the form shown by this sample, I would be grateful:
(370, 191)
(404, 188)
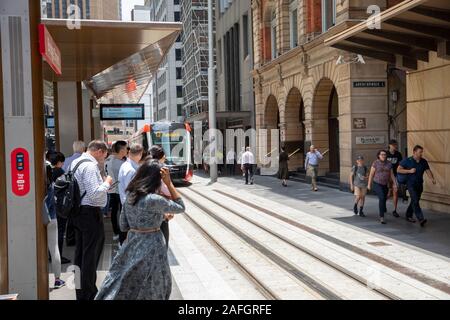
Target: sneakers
(383, 221)
(423, 222)
(395, 214)
(361, 213)
(59, 284)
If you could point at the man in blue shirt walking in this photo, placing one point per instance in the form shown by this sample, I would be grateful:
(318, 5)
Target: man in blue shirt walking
(415, 167)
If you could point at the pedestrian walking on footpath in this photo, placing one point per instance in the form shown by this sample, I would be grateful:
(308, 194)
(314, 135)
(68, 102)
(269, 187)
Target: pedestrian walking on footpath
(79, 147)
(126, 174)
(52, 226)
(112, 168)
(157, 153)
(380, 175)
(57, 162)
(394, 157)
(231, 158)
(313, 158)
(248, 161)
(88, 222)
(359, 177)
(283, 166)
(411, 171)
(140, 270)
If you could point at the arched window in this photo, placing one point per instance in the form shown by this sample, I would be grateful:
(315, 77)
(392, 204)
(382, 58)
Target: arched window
(293, 23)
(273, 34)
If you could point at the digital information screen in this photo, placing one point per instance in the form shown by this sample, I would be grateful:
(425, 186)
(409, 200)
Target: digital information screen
(50, 123)
(114, 112)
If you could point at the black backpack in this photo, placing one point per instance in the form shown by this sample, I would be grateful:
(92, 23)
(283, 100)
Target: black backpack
(67, 193)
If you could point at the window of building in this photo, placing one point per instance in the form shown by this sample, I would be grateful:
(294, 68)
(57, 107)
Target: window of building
(49, 10)
(179, 73)
(179, 92)
(64, 9)
(273, 34)
(176, 2)
(219, 56)
(88, 9)
(177, 16)
(178, 54)
(179, 110)
(246, 37)
(328, 14)
(293, 23)
(80, 5)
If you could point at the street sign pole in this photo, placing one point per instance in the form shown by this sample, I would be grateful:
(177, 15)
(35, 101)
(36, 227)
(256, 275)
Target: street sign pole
(212, 96)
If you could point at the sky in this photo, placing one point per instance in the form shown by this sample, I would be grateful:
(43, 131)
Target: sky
(127, 6)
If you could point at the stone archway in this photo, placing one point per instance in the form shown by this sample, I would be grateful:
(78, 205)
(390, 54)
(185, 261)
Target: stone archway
(325, 126)
(272, 122)
(294, 129)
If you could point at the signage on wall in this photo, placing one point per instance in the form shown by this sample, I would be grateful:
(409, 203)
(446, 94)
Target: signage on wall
(359, 123)
(370, 140)
(49, 50)
(20, 172)
(369, 84)
(114, 112)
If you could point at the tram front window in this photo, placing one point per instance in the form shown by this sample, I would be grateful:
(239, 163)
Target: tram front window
(174, 144)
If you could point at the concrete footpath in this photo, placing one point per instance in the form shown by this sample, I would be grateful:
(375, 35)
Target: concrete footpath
(337, 206)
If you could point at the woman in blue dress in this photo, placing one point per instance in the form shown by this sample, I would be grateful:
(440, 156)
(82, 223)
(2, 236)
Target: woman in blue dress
(141, 271)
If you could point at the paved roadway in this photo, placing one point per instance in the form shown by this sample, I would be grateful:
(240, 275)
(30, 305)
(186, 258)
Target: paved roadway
(410, 262)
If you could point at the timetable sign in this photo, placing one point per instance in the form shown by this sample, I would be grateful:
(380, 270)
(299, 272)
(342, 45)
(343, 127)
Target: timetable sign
(113, 112)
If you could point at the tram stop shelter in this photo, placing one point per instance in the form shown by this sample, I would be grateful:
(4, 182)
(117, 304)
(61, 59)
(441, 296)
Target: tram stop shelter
(114, 60)
(414, 36)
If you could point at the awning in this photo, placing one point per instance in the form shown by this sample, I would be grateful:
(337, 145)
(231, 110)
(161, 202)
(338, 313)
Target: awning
(115, 59)
(408, 32)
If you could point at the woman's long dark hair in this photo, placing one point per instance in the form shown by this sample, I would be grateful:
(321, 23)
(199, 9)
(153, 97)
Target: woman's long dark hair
(146, 181)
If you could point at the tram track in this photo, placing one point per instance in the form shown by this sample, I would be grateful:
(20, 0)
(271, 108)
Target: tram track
(320, 288)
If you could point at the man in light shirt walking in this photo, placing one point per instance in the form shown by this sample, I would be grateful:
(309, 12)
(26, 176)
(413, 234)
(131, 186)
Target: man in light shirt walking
(126, 174)
(313, 158)
(88, 223)
(248, 160)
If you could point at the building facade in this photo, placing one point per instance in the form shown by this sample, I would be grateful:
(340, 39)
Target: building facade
(234, 47)
(319, 95)
(415, 36)
(89, 9)
(194, 16)
(168, 85)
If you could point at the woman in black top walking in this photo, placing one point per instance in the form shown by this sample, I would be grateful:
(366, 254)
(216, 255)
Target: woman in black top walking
(284, 167)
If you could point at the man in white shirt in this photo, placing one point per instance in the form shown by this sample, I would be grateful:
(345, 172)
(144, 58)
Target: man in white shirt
(313, 158)
(128, 170)
(248, 160)
(88, 223)
(231, 157)
(112, 167)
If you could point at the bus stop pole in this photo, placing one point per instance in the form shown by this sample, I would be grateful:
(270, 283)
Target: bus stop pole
(212, 96)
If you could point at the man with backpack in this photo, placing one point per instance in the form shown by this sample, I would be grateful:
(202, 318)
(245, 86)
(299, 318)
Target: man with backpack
(88, 221)
(358, 184)
(410, 173)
